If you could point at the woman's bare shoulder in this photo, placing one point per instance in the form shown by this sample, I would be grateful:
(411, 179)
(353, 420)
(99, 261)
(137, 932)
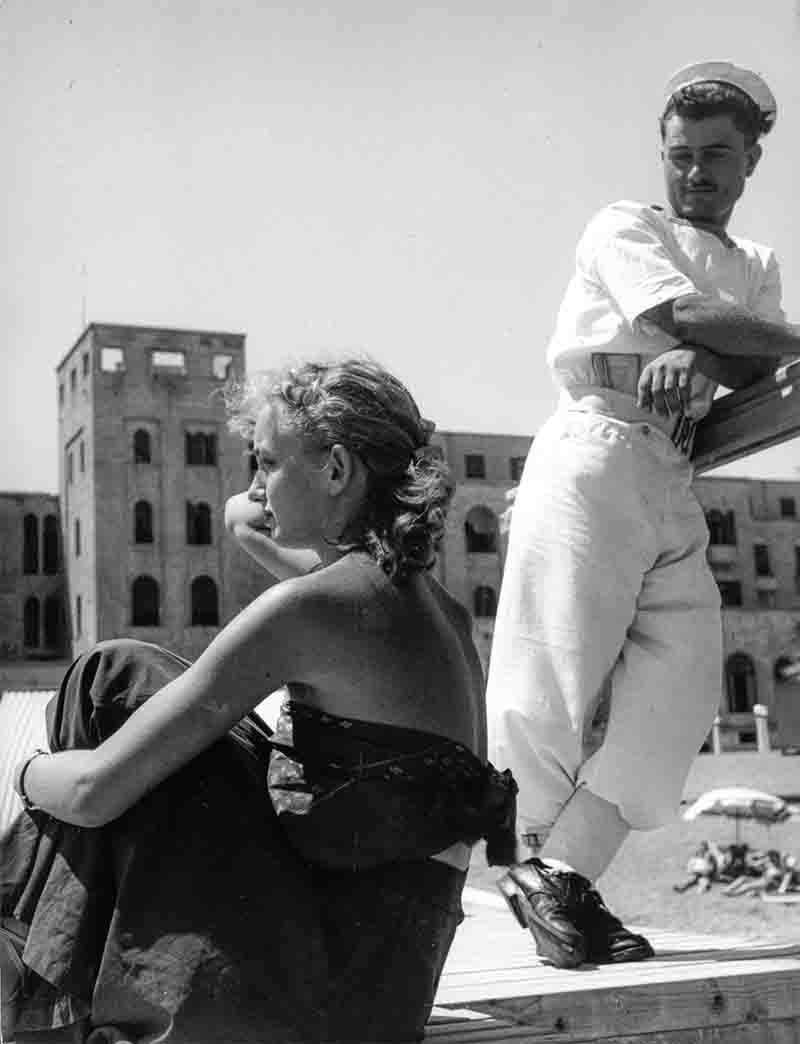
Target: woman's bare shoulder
(457, 611)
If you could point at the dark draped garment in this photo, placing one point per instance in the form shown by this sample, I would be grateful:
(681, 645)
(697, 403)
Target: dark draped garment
(276, 889)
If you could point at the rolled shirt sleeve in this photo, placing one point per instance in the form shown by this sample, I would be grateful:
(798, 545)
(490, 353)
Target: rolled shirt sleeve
(624, 250)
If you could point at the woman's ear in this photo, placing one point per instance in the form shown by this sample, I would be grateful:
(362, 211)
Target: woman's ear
(341, 467)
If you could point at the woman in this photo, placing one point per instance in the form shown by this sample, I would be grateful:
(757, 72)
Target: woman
(326, 911)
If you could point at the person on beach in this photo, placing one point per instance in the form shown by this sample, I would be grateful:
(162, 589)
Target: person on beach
(180, 872)
(606, 591)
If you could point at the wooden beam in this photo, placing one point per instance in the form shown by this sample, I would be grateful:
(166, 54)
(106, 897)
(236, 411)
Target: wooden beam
(750, 419)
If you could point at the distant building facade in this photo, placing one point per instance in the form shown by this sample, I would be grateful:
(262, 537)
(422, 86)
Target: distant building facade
(146, 465)
(754, 552)
(136, 545)
(32, 580)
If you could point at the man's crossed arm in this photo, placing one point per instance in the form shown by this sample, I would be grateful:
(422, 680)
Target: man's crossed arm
(725, 342)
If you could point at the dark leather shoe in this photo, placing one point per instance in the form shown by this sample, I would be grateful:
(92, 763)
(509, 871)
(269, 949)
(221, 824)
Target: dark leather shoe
(12, 975)
(609, 941)
(548, 903)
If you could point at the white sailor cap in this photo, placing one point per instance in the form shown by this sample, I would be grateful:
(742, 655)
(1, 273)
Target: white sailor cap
(748, 82)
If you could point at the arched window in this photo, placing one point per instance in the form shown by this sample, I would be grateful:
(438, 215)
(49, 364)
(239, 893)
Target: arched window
(53, 619)
(141, 446)
(198, 523)
(485, 601)
(31, 623)
(142, 522)
(201, 449)
(740, 683)
(205, 604)
(51, 542)
(480, 529)
(30, 544)
(145, 609)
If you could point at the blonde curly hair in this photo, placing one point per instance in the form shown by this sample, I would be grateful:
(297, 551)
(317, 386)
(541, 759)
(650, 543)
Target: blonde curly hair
(359, 404)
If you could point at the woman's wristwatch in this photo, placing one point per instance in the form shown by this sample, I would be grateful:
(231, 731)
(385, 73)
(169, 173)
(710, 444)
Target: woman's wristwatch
(19, 779)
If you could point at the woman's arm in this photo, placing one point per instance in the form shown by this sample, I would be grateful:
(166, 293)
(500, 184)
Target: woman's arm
(278, 638)
(244, 520)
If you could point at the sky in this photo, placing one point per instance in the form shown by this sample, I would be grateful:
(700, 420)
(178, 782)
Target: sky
(407, 179)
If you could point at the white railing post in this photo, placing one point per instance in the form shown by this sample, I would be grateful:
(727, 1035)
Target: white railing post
(761, 715)
(716, 738)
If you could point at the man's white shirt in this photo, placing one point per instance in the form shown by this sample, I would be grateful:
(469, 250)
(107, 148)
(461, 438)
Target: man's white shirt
(633, 257)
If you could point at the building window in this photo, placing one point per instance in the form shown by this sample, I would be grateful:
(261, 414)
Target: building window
(198, 523)
(721, 527)
(142, 522)
(201, 449)
(515, 467)
(765, 599)
(51, 542)
(82, 457)
(73, 380)
(141, 446)
(85, 364)
(78, 615)
(205, 604)
(77, 538)
(61, 394)
(480, 530)
(740, 683)
(788, 507)
(730, 593)
(475, 466)
(761, 558)
(144, 598)
(53, 622)
(70, 468)
(485, 601)
(112, 360)
(174, 361)
(30, 635)
(221, 366)
(30, 544)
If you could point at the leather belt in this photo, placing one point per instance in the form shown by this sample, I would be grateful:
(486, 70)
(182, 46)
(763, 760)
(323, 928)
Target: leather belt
(621, 372)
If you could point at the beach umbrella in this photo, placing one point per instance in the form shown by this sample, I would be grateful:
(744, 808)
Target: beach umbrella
(738, 804)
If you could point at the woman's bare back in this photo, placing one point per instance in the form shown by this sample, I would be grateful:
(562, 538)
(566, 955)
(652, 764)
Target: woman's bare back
(402, 653)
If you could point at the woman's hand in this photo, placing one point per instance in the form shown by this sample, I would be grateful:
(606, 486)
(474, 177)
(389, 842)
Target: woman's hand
(244, 520)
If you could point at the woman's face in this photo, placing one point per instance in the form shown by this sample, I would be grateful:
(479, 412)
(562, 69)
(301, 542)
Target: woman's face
(289, 482)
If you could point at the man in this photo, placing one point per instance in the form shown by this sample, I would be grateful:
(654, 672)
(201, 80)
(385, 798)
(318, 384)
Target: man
(606, 585)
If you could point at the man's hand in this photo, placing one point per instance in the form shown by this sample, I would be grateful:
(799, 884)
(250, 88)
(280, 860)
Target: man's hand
(665, 385)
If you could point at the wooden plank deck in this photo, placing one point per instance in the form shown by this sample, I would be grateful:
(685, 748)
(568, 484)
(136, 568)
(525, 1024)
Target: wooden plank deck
(697, 990)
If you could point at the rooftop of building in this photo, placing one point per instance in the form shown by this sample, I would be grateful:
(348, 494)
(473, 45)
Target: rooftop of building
(145, 328)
